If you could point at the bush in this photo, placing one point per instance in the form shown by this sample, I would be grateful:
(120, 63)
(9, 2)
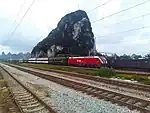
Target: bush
(105, 72)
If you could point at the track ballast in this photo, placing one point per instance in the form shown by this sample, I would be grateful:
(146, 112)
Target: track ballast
(115, 97)
(26, 100)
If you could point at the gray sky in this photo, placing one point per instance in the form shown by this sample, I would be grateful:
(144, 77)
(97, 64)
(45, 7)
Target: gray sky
(45, 14)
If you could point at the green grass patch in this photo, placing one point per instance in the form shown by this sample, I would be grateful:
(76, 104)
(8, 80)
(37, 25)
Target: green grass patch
(57, 67)
(2, 82)
(4, 96)
(141, 79)
(102, 72)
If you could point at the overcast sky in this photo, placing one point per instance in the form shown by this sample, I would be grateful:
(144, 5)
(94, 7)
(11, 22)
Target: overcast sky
(45, 14)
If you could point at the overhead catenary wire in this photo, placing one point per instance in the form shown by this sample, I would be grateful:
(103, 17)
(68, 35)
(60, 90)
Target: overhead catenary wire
(135, 29)
(21, 20)
(133, 18)
(99, 6)
(121, 11)
(20, 10)
(21, 7)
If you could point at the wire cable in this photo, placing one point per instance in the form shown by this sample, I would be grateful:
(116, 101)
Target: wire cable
(21, 7)
(135, 29)
(122, 11)
(21, 20)
(99, 6)
(144, 15)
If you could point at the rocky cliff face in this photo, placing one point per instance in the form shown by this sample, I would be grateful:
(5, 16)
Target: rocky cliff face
(73, 35)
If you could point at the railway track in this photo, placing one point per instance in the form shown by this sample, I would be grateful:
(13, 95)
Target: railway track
(115, 97)
(124, 71)
(130, 85)
(25, 99)
(117, 70)
(132, 72)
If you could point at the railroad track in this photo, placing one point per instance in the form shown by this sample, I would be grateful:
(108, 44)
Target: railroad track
(26, 100)
(132, 72)
(117, 70)
(136, 86)
(115, 97)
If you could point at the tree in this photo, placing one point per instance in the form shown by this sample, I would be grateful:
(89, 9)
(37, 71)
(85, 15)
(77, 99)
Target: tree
(3, 53)
(134, 56)
(147, 56)
(125, 56)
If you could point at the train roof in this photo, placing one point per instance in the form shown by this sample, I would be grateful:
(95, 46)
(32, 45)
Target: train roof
(86, 57)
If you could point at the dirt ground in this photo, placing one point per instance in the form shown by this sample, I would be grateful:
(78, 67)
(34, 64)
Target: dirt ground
(6, 103)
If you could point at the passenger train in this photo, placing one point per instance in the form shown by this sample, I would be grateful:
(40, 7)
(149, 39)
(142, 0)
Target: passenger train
(87, 61)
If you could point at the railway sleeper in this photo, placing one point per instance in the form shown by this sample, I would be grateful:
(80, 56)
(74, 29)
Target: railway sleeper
(129, 105)
(148, 107)
(124, 99)
(23, 96)
(111, 95)
(104, 93)
(142, 104)
(77, 86)
(117, 97)
(20, 94)
(27, 98)
(89, 89)
(30, 103)
(81, 88)
(18, 91)
(90, 92)
(96, 93)
(29, 106)
(26, 101)
(33, 110)
(132, 101)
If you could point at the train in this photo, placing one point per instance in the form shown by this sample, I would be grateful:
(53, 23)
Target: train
(96, 61)
(85, 61)
(130, 64)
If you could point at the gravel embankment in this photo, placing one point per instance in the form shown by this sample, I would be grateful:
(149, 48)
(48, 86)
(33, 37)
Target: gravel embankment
(66, 100)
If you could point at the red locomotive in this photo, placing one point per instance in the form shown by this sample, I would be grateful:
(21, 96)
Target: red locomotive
(88, 61)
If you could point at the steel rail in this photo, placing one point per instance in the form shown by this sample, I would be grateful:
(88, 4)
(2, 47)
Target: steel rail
(137, 86)
(114, 97)
(30, 92)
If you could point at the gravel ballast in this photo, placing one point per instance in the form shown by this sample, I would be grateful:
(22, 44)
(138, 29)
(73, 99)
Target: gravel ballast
(66, 100)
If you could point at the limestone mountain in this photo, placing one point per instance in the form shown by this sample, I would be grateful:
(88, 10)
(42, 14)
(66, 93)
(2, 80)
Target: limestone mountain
(73, 35)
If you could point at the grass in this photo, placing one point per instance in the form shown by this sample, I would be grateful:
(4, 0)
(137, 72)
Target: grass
(6, 101)
(62, 68)
(102, 72)
(4, 97)
(2, 82)
(141, 79)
